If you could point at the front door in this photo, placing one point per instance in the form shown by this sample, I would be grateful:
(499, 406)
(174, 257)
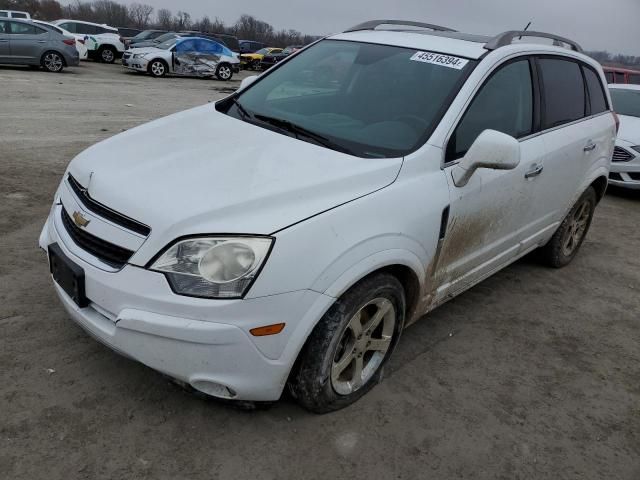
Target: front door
(5, 51)
(492, 214)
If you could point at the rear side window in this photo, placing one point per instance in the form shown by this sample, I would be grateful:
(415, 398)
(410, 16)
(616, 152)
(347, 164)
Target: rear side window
(563, 92)
(19, 15)
(505, 104)
(25, 29)
(4, 14)
(69, 27)
(597, 99)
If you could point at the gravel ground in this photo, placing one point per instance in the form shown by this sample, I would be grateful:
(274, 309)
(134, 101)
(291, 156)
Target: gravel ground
(535, 373)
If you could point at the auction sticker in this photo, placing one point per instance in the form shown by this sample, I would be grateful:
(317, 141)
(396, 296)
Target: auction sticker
(440, 59)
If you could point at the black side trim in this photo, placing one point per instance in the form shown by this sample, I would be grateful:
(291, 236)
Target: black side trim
(106, 252)
(444, 221)
(104, 211)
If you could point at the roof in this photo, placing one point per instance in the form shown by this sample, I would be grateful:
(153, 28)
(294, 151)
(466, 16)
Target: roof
(453, 43)
(104, 25)
(624, 86)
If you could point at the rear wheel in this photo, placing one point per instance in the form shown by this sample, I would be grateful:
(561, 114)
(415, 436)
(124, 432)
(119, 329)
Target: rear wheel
(52, 62)
(565, 243)
(107, 54)
(346, 352)
(224, 72)
(158, 68)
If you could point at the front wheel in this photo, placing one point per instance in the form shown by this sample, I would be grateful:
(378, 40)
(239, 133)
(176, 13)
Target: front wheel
(565, 243)
(224, 72)
(345, 354)
(52, 62)
(158, 68)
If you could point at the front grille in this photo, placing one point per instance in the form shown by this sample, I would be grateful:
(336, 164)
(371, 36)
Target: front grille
(621, 155)
(105, 212)
(108, 253)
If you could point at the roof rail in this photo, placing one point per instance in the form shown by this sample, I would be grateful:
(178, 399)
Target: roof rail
(372, 24)
(507, 38)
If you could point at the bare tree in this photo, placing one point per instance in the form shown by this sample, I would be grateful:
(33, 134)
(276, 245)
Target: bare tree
(164, 19)
(140, 14)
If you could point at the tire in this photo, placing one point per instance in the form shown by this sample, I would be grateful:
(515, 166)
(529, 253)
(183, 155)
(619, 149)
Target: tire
(319, 382)
(52, 61)
(158, 68)
(107, 54)
(566, 242)
(224, 72)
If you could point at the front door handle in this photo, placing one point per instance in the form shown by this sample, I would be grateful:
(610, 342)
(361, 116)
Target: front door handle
(42, 41)
(589, 147)
(3, 40)
(534, 172)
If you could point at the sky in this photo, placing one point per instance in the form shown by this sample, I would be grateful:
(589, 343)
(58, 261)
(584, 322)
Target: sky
(612, 25)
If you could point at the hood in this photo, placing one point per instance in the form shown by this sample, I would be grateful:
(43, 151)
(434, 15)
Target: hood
(143, 44)
(629, 129)
(201, 171)
(138, 50)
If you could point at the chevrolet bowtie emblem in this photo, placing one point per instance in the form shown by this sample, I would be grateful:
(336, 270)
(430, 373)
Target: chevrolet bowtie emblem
(80, 220)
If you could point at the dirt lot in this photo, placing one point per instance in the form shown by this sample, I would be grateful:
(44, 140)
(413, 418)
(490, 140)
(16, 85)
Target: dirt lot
(533, 374)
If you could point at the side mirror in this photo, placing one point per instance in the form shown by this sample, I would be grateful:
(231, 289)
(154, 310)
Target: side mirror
(492, 149)
(247, 81)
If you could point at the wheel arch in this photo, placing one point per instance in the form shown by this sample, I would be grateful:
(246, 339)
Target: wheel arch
(600, 186)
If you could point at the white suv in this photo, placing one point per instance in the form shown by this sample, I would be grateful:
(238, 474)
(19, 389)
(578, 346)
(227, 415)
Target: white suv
(14, 14)
(102, 41)
(288, 234)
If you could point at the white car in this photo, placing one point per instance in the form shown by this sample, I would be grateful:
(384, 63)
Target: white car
(625, 169)
(102, 41)
(189, 56)
(288, 234)
(14, 14)
(80, 44)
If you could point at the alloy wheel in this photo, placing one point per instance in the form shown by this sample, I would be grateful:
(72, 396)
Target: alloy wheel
(576, 228)
(224, 72)
(53, 62)
(108, 55)
(157, 68)
(363, 346)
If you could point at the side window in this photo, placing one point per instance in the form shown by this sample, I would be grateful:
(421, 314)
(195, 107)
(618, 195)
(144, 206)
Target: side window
(69, 27)
(597, 99)
(504, 103)
(211, 48)
(25, 29)
(186, 46)
(563, 92)
(4, 27)
(609, 77)
(19, 15)
(619, 77)
(4, 14)
(84, 29)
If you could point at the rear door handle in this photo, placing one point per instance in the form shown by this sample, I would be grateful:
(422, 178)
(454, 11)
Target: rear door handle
(534, 172)
(3, 40)
(589, 147)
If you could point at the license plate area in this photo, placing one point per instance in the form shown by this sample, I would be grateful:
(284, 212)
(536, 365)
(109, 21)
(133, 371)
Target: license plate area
(68, 275)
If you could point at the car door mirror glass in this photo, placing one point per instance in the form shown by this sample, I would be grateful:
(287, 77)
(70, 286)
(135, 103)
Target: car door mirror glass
(492, 149)
(247, 81)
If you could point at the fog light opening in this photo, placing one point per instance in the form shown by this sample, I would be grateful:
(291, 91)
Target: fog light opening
(214, 389)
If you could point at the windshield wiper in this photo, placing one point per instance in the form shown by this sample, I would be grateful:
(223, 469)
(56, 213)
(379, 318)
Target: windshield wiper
(298, 131)
(240, 108)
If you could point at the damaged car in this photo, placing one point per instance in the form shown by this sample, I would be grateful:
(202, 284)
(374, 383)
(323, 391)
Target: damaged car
(188, 56)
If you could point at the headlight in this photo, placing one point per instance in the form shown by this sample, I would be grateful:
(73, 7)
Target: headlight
(213, 267)
(138, 55)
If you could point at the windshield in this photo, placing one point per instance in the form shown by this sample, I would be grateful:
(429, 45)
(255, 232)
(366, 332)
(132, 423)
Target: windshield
(366, 99)
(144, 35)
(165, 37)
(168, 44)
(263, 51)
(626, 102)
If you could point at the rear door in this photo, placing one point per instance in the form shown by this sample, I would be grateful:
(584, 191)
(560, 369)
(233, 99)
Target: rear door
(576, 132)
(5, 51)
(27, 42)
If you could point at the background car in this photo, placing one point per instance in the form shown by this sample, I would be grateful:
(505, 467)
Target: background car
(23, 42)
(625, 167)
(127, 33)
(252, 60)
(622, 75)
(271, 59)
(102, 41)
(188, 56)
(14, 14)
(143, 36)
(227, 40)
(250, 46)
(152, 42)
(80, 44)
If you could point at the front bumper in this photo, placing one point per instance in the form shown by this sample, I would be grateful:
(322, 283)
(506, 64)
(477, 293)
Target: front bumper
(137, 64)
(626, 174)
(205, 343)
